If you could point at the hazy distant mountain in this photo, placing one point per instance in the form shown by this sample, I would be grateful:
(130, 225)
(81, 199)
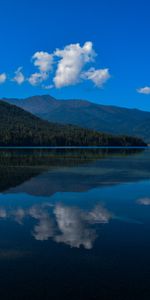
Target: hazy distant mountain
(110, 119)
(20, 128)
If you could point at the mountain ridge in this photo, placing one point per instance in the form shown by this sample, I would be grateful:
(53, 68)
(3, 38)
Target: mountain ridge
(72, 100)
(104, 118)
(21, 128)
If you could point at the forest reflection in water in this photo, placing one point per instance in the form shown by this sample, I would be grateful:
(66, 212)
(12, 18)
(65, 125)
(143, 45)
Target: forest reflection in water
(72, 216)
(70, 169)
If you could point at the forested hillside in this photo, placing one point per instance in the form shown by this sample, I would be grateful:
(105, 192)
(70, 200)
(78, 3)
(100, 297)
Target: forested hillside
(103, 118)
(21, 128)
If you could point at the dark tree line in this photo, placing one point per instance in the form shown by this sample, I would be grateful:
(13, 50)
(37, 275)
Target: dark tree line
(20, 128)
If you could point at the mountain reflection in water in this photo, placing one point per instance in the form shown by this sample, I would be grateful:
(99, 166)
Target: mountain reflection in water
(43, 172)
(75, 224)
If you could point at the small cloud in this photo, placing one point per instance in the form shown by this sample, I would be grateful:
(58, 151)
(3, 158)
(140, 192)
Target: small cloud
(145, 90)
(3, 78)
(47, 87)
(37, 78)
(19, 77)
(43, 60)
(99, 77)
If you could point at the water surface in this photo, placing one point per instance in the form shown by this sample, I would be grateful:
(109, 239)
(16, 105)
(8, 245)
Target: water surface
(75, 224)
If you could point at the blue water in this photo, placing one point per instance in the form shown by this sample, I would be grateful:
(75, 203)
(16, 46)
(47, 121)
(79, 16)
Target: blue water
(75, 224)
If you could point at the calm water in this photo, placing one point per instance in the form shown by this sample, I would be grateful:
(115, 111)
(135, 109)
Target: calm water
(75, 224)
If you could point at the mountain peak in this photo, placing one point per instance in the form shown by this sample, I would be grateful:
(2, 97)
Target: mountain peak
(103, 118)
(43, 97)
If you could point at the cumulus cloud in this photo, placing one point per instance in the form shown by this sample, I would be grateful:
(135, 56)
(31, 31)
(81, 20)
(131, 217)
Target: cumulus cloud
(67, 66)
(72, 59)
(37, 78)
(99, 77)
(3, 78)
(19, 77)
(145, 90)
(43, 60)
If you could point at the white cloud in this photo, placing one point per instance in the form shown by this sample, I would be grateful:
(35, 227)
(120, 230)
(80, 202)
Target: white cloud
(99, 77)
(47, 87)
(19, 77)
(145, 90)
(37, 78)
(43, 60)
(3, 78)
(70, 65)
(73, 58)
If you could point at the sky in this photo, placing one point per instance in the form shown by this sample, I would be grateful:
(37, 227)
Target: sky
(96, 50)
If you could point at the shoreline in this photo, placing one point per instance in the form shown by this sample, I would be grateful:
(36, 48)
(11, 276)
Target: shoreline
(75, 147)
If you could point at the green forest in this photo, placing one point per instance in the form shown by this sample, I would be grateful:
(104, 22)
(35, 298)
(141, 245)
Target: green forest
(21, 128)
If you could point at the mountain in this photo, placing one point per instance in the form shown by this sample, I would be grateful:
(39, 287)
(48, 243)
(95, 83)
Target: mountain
(20, 128)
(108, 119)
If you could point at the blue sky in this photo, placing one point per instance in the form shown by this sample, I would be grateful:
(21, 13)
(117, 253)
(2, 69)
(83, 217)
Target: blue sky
(109, 40)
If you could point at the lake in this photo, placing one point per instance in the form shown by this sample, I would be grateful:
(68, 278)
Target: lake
(75, 224)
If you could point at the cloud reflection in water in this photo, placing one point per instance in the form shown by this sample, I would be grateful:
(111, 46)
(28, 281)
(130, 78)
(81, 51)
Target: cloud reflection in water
(144, 201)
(64, 224)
